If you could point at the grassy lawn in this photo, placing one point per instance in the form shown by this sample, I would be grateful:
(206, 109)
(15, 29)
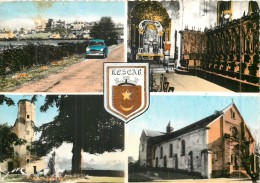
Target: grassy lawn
(164, 176)
(138, 177)
(152, 175)
(40, 35)
(10, 82)
(175, 175)
(100, 179)
(23, 178)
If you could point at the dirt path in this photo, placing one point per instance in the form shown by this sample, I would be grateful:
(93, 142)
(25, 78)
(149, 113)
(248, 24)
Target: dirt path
(86, 76)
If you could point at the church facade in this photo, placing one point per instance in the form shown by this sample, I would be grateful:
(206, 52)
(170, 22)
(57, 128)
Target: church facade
(24, 129)
(205, 148)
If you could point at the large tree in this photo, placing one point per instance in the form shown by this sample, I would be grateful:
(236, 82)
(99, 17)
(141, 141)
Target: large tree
(82, 121)
(246, 157)
(104, 29)
(7, 137)
(8, 101)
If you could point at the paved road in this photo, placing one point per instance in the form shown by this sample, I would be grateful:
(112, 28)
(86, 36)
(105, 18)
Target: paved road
(86, 76)
(188, 83)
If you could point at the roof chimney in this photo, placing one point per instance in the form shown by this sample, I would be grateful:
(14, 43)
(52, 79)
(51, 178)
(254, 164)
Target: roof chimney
(216, 112)
(169, 128)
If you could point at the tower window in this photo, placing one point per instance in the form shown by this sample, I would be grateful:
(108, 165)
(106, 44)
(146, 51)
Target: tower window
(233, 114)
(27, 161)
(27, 150)
(183, 148)
(28, 116)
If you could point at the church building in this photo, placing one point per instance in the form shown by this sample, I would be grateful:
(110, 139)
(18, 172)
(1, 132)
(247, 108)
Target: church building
(204, 148)
(24, 129)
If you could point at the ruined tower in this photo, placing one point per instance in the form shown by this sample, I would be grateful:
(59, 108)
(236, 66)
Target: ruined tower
(24, 128)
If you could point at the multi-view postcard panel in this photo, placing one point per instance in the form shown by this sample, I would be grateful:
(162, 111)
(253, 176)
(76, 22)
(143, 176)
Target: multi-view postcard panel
(54, 136)
(59, 46)
(198, 45)
(195, 137)
(62, 120)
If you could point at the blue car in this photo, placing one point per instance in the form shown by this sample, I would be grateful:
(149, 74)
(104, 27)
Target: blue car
(97, 47)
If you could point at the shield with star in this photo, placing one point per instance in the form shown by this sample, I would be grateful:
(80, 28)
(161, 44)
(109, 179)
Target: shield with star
(126, 90)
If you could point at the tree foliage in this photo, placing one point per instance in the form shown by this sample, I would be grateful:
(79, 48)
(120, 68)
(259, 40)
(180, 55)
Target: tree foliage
(8, 139)
(27, 56)
(104, 29)
(82, 121)
(242, 150)
(6, 100)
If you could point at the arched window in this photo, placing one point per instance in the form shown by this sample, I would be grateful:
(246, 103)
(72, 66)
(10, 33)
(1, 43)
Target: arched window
(234, 132)
(161, 152)
(171, 151)
(233, 114)
(183, 147)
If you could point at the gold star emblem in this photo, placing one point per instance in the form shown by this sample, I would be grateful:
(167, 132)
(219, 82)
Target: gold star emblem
(126, 95)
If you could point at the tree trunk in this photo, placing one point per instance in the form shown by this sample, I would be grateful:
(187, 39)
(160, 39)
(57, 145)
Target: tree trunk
(76, 160)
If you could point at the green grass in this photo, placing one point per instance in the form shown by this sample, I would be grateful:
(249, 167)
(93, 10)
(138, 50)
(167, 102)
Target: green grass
(40, 35)
(153, 175)
(8, 83)
(100, 179)
(137, 177)
(22, 178)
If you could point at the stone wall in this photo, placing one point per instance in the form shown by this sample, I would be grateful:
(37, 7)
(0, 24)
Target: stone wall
(195, 142)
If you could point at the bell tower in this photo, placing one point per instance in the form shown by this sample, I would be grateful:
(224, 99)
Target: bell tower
(24, 129)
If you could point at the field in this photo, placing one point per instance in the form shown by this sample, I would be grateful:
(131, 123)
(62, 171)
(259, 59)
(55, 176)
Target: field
(41, 35)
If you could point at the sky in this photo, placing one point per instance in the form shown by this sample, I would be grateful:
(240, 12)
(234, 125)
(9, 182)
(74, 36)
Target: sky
(22, 14)
(183, 110)
(112, 160)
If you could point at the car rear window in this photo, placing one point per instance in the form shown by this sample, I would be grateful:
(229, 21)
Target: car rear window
(92, 43)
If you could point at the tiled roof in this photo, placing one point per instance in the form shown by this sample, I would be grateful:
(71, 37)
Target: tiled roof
(192, 127)
(151, 133)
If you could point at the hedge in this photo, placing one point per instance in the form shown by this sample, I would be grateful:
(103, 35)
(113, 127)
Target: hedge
(16, 59)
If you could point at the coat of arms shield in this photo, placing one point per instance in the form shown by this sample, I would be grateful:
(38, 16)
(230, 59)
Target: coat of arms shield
(126, 90)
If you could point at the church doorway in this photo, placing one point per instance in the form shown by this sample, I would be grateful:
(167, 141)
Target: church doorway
(165, 162)
(34, 170)
(190, 161)
(176, 161)
(156, 162)
(234, 161)
(10, 166)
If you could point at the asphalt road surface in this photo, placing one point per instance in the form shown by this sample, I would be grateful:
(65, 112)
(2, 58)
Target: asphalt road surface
(86, 76)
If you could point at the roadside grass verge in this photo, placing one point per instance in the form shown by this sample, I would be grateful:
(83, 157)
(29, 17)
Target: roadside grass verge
(12, 81)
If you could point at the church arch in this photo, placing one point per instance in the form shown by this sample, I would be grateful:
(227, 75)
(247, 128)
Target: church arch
(190, 161)
(161, 152)
(183, 148)
(170, 150)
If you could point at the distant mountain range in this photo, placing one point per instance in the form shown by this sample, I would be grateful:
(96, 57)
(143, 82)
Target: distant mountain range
(65, 164)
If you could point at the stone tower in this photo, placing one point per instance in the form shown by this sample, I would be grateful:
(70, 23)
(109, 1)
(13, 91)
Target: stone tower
(24, 128)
